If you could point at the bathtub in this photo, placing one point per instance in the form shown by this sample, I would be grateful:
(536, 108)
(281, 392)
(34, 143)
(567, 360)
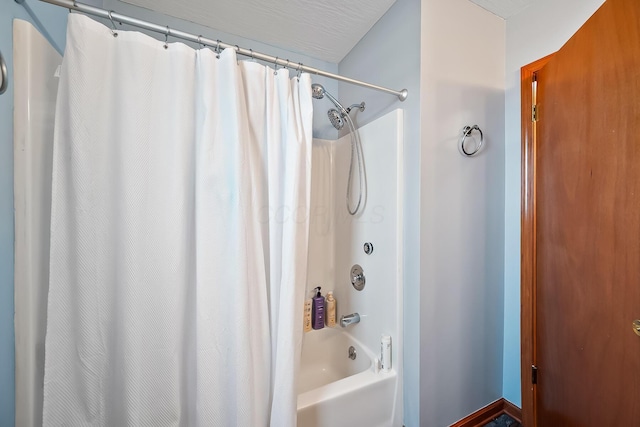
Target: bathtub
(336, 391)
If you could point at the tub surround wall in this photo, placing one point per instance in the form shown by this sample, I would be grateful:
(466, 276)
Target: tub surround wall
(35, 86)
(336, 243)
(389, 55)
(54, 20)
(379, 303)
(322, 236)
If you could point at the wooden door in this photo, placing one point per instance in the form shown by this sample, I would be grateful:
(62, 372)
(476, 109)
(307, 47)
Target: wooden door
(585, 250)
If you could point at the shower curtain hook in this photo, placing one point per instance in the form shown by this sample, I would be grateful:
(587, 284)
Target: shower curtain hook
(166, 38)
(252, 58)
(275, 70)
(299, 71)
(217, 49)
(115, 34)
(287, 66)
(200, 41)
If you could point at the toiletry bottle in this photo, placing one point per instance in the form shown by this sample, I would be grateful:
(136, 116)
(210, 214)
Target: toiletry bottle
(317, 319)
(385, 353)
(307, 314)
(331, 310)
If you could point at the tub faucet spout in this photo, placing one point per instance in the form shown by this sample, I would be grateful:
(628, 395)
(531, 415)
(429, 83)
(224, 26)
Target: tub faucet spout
(349, 319)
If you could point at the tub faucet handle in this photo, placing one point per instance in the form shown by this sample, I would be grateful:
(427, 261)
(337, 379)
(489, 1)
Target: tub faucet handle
(357, 277)
(349, 319)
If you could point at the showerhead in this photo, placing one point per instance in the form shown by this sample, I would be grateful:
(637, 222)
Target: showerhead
(318, 92)
(335, 118)
(338, 118)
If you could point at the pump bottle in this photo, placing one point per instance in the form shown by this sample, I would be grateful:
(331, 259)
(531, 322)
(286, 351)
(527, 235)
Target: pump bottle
(318, 309)
(331, 310)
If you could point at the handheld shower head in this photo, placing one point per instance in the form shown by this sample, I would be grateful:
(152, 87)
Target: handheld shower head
(318, 92)
(336, 117)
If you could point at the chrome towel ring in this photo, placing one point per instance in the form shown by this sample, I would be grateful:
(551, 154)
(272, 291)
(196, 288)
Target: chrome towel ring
(466, 133)
(4, 78)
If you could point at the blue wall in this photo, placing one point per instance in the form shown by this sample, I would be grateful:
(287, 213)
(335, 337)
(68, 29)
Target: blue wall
(54, 20)
(462, 211)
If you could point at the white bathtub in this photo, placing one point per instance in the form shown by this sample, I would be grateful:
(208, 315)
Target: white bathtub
(335, 391)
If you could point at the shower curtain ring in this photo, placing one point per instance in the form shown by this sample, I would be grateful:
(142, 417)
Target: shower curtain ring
(287, 66)
(218, 49)
(299, 70)
(275, 70)
(166, 38)
(200, 41)
(252, 58)
(115, 34)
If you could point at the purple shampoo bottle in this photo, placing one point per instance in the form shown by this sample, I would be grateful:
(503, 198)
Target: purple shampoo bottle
(318, 310)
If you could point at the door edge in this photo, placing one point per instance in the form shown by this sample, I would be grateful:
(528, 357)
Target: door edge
(528, 243)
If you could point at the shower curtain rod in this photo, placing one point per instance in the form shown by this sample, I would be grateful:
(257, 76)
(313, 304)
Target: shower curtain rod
(170, 32)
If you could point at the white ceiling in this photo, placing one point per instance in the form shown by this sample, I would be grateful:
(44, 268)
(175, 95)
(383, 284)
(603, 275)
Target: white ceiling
(504, 8)
(326, 29)
(322, 29)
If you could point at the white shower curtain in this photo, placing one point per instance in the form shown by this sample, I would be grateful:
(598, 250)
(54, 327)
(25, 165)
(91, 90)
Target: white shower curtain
(178, 236)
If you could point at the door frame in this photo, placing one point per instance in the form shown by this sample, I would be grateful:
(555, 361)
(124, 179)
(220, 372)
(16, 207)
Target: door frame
(528, 243)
